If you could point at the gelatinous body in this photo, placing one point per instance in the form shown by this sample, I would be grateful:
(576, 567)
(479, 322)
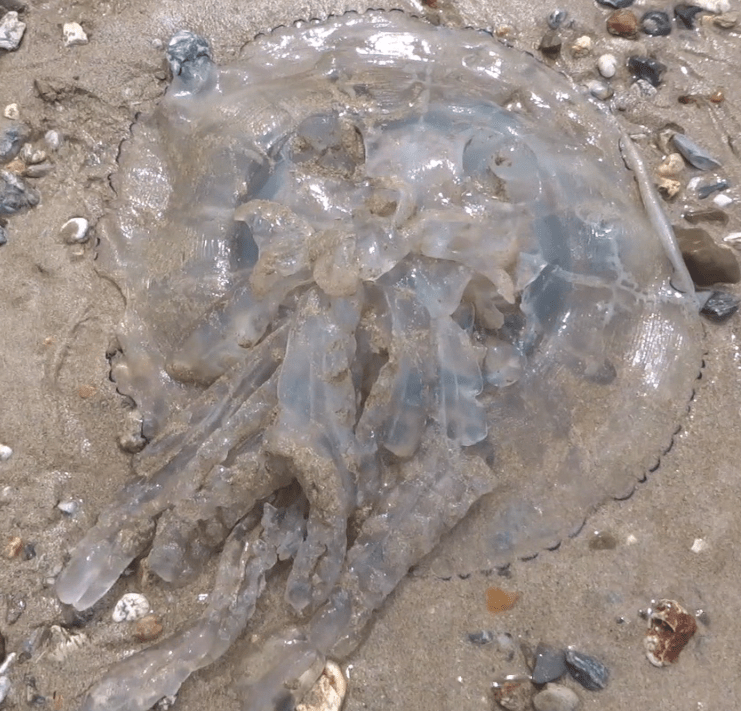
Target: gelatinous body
(382, 279)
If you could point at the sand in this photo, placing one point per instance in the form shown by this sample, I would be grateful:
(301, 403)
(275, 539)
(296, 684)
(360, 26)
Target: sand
(676, 537)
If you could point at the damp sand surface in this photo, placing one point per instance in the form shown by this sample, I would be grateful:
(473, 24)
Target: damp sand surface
(674, 538)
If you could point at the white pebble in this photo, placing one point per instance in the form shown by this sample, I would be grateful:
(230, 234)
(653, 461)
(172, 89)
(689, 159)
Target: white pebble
(699, 545)
(132, 606)
(607, 65)
(556, 698)
(714, 6)
(75, 231)
(11, 31)
(600, 89)
(73, 34)
(722, 200)
(5, 452)
(734, 238)
(12, 112)
(68, 506)
(53, 139)
(692, 185)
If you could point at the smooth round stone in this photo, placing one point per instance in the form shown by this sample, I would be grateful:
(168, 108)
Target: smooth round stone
(556, 698)
(75, 230)
(656, 23)
(618, 4)
(607, 65)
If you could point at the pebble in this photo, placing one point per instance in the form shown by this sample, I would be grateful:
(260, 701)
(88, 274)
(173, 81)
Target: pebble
(656, 23)
(722, 200)
(556, 698)
(328, 691)
(11, 31)
(514, 693)
(615, 3)
(12, 112)
(4, 688)
(602, 541)
(715, 6)
(75, 231)
(14, 609)
(37, 170)
(726, 21)
(670, 627)
(30, 155)
(147, 629)
(707, 262)
(671, 165)
(69, 506)
(14, 194)
(623, 23)
(131, 607)
(165, 703)
(607, 65)
(582, 46)
(481, 638)
(557, 18)
(647, 68)
(550, 664)
(3, 236)
(686, 14)
(498, 600)
(550, 44)
(73, 34)
(600, 89)
(13, 134)
(588, 671)
(693, 154)
(668, 187)
(53, 139)
(720, 306)
(707, 189)
(709, 215)
(5, 452)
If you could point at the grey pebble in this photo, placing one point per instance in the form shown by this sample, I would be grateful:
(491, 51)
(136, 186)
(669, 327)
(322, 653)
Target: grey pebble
(550, 44)
(38, 170)
(588, 671)
(550, 664)
(12, 136)
(189, 56)
(3, 236)
(11, 31)
(656, 23)
(720, 306)
(618, 4)
(686, 14)
(706, 190)
(600, 89)
(481, 638)
(556, 698)
(14, 194)
(557, 18)
(693, 154)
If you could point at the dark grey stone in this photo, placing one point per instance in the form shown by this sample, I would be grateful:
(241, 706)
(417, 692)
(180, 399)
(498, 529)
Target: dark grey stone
(708, 189)
(588, 671)
(13, 134)
(693, 154)
(550, 44)
(685, 15)
(647, 68)
(617, 4)
(550, 664)
(656, 23)
(720, 306)
(14, 194)
(3, 236)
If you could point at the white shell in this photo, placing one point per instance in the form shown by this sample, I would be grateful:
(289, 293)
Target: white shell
(607, 65)
(73, 34)
(12, 112)
(328, 692)
(132, 606)
(5, 452)
(74, 231)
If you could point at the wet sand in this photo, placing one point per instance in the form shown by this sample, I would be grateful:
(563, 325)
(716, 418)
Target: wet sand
(61, 414)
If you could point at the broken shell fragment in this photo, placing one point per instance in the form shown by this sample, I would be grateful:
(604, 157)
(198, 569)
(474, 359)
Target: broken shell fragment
(670, 627)
(328, 692)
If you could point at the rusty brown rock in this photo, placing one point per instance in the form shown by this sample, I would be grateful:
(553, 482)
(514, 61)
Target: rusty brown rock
(670, 627)
(513, 693)
(708, 263)
(147, 629)
(623, 23)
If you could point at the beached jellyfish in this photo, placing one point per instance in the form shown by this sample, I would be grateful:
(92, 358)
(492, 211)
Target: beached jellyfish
(383, 279)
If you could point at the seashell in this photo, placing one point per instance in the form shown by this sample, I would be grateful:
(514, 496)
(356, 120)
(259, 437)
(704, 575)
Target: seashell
(404, 267)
